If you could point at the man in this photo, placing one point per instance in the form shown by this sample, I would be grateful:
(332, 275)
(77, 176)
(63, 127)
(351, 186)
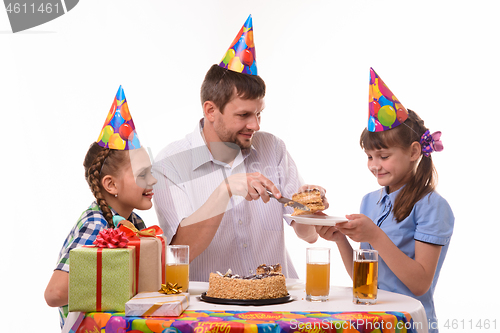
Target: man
(210, 183)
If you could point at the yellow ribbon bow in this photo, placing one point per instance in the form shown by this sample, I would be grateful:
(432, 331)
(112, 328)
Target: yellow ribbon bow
(170, 288)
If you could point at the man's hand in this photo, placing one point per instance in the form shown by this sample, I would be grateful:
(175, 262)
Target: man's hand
(251, 186)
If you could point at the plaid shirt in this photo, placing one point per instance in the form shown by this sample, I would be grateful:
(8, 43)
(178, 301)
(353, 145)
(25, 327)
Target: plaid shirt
(85, 232)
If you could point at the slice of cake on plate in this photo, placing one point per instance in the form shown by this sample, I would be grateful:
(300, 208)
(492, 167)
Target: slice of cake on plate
(309, 198)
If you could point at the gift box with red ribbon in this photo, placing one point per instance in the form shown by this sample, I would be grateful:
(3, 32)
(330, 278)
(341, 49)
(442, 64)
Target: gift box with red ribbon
(101, 279)
(149, 246)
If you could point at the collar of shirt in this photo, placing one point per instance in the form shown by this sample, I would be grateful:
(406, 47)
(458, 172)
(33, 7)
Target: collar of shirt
(202, 156)
(385, 196)
(385, 202)
(134, 218)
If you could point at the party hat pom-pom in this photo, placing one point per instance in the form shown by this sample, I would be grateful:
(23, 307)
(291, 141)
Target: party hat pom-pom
(111, 238)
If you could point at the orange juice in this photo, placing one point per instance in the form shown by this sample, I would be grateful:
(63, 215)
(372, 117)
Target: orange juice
(178, 273)
(318, 279)
(365, 280)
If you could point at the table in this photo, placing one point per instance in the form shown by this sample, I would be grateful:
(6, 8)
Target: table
(393, 313)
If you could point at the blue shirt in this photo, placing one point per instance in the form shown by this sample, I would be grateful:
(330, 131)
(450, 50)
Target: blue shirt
(430, 221)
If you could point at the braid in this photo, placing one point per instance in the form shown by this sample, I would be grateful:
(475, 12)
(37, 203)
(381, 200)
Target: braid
(93, 179)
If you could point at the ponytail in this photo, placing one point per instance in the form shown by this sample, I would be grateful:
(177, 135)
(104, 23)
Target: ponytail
(423, 182)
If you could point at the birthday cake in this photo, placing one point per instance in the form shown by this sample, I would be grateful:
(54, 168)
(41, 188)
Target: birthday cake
(309, 198)
(267, 283)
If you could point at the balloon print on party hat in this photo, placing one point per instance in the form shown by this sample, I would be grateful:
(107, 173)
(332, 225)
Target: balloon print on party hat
(384, 109)
(118, 131)
(240, 57)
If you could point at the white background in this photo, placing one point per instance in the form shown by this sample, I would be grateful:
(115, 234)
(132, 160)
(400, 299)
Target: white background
(58, 80)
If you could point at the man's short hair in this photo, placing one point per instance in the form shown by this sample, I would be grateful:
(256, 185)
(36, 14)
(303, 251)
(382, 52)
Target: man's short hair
(219, 86)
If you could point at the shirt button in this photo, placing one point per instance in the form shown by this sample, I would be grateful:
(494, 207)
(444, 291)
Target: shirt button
(240, 222)
(250, 271)
(245, 245)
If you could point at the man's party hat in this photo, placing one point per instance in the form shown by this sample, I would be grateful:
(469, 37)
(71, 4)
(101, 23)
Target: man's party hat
(118, 131)
(384, 109)
(240, 57)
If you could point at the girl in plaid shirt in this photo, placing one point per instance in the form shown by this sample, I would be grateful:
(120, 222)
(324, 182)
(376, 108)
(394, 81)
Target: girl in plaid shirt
(120, 181)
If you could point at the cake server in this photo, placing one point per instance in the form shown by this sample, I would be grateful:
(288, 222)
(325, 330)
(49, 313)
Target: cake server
(289, 202)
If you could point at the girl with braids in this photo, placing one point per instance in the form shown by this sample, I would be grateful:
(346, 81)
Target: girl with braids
(118, 172)
(407, 221)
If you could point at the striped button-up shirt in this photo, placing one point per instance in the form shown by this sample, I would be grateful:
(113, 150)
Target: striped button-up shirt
(251, 233)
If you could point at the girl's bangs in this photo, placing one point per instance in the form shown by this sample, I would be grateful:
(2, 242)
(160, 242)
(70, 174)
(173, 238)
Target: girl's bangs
(379, 140)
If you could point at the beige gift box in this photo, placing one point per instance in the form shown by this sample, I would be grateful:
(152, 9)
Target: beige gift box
(157, 304)
(150, 248)
(149, 252)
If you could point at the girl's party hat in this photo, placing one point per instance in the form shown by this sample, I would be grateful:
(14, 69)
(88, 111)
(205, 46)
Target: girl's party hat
(384, 109)
(240, 57)
(118, 131)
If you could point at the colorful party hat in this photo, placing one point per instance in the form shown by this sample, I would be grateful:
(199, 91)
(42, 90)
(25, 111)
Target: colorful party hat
(240, 57)
(118, 131)
(384, 109)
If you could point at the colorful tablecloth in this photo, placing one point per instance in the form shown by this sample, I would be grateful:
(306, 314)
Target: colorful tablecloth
(204, 321)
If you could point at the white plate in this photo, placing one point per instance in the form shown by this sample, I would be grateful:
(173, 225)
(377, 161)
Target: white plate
(317, 219)
(197, 287)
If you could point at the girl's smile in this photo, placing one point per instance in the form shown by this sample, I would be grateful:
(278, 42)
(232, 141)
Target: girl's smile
(148, 194)
(392, 167)
(133, 186)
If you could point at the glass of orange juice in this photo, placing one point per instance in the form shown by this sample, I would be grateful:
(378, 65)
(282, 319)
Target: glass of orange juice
(365, 276)
(177, 267)
(317, 274)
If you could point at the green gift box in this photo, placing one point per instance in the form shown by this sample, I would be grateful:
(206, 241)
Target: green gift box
(101, 279)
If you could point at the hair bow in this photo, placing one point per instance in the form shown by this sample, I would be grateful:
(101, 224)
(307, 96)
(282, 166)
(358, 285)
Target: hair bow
(431, 142)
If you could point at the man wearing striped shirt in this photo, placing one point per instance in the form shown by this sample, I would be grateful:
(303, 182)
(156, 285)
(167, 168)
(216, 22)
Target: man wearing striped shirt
(211, 190)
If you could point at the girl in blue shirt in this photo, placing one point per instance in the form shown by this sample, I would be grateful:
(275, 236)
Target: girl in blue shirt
(406, 221)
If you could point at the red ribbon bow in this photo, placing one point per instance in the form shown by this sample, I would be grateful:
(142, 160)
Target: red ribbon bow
(111, 239)
(130, 230)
